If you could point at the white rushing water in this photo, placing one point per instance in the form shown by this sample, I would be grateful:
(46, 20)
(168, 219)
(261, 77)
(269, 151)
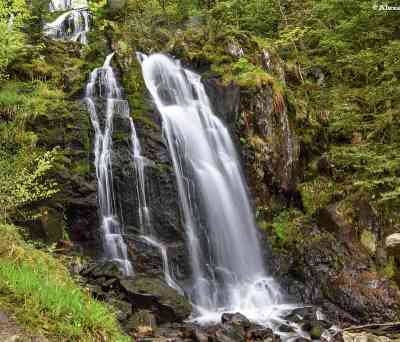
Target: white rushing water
(72, 24)
(104, 100)
(63, 5)
(226, 259)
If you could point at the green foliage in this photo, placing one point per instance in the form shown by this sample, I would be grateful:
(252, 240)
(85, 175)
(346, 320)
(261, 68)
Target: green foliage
(23, 181)
(286, 229)
(373, 169)
(49, 302)
(260, 17)
(12, 15)
(317, 193)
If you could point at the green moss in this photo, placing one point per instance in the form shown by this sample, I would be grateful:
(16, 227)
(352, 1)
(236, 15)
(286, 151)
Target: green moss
(82, 168)
(317, 193)
(368, 240)
(286, 229)
(390, 268)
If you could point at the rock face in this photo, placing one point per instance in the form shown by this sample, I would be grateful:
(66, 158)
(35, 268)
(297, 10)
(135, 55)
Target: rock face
(373, 333)
(132, 297)
(224, 99)
(162, 199)
(331, 270)
(270, 147)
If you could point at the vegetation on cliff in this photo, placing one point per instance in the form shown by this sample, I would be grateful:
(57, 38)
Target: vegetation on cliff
(331, 66)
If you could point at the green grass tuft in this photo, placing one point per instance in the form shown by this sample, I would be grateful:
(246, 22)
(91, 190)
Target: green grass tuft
(40, 293)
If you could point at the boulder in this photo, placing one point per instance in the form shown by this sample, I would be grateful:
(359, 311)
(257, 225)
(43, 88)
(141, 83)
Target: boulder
(236, 319)
(262, 334)
(152, 294)
(106, 270)
(304, 313)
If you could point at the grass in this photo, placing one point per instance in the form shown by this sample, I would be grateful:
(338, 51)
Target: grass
(38, 290)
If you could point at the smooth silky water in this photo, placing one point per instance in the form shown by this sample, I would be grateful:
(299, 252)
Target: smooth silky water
(103, 88)
(226, 259)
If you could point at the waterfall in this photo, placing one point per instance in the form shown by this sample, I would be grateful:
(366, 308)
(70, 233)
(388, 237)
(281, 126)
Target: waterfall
(72, 24)
(104, 100)
(226, 259)
(63, 5)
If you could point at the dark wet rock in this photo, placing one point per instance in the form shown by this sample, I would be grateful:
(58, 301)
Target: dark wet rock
(285, 328)
(334, 273)
(146, 257)
(225, 99)
(270, 148)
(329, 219)
(264, 335)
(162, 198)
(236, 319)
(104, 270)
(152, 294)
(96, 292)
(304, 313)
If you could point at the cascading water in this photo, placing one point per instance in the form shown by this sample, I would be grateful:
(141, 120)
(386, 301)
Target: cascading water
(227, 265)
(72, 24)
(102, 91)
(148, 234)
(63, 5)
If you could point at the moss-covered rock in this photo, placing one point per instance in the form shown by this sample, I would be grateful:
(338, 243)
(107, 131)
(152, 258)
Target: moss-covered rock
(150, 293)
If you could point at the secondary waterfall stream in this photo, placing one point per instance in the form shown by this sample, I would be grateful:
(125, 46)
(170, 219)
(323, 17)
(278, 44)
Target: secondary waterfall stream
(226, 259)
(146, 226)
(72, 24)
(104, 100)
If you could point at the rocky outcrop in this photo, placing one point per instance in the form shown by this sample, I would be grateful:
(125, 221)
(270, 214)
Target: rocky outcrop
(162, 199)
(136, 296)
(373, 333)
(152, 294)
(270, 148)
(331, 270)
